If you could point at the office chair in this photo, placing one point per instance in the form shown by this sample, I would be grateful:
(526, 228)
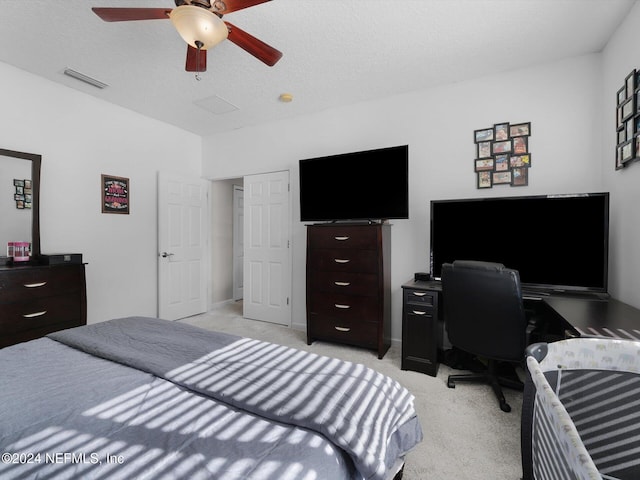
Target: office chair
(484, 315)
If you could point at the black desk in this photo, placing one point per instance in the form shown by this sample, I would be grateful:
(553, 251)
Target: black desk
(589, 317)
(562, 316)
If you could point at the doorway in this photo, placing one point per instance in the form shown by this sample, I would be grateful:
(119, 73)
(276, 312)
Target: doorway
(229, 283)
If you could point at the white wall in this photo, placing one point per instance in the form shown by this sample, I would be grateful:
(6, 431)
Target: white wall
(80, 138)
(561, 100)
(619, 58)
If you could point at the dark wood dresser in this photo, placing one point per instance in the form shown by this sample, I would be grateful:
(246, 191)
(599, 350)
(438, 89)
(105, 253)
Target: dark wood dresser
(37, 300)
(348, 285)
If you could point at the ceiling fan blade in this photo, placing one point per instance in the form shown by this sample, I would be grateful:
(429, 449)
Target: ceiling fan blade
(252, 45)
(196, 60)
(115, 14)
(228, 6)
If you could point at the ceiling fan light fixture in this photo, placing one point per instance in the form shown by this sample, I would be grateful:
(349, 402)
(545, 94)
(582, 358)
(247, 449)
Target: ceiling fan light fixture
(198, 25)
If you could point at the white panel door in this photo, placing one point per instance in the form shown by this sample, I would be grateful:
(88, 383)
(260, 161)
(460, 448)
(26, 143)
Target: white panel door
(183, 219)
(267, 256)
(238, 241)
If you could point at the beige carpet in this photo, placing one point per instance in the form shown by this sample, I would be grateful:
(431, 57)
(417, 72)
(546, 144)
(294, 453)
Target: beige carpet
(466, 435)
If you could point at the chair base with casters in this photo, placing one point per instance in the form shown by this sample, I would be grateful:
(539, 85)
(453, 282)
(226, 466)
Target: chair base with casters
(491, 377)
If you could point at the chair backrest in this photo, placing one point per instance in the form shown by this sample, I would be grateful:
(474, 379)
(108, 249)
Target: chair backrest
(483, 309)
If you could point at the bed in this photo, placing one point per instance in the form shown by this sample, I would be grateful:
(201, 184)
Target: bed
(143, 398)
(581, 410)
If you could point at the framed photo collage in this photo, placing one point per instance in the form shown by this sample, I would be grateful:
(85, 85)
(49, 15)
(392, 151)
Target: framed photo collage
(628, 121)
(23, 195)
(502, 155)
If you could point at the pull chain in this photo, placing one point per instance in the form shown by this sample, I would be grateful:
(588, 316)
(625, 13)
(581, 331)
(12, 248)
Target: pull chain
(199, 45)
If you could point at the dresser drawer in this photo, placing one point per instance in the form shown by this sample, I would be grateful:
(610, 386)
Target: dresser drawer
(357, 237)
(344, 260)
(37, 332)
(357, 308)
(345, 283)
(420, 298)
(39, 312)
(39, 282)
(344, 331)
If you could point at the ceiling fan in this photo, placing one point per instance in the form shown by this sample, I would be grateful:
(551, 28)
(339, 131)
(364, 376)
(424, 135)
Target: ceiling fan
(200, 24)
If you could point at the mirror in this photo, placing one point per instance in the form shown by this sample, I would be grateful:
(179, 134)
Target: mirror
(20, 200)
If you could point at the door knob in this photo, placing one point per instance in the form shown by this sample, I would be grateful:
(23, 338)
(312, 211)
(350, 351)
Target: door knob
(165, 254)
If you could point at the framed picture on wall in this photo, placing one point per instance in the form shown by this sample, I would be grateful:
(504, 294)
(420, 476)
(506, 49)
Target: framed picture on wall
(519, 176)
(622, 95)
(520, 145)
(502, 162)
(502, 147)
(115, 194)
(484, 164)
(502, 131)
(630, 83)
(484, 150)
(520, 160)
(501, 178)
(520, 130)
(629, 108)
(484, 180)
(628, 150)
(484, 135)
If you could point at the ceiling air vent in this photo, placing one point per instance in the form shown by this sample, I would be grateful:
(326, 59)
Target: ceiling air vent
(84, 78)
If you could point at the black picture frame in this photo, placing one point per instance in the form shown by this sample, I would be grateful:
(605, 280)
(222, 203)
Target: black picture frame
(520, 161)
(619, 163)
(115, 194)
(484, 179)
(496, 158)
(627, 152)
(520, 145)
(520, 129)
(501, 131)
(483, 149)
(483, 135)
(501, 178)
(630, 83)
(628, 108)
(621, 95)
(501, 147)
(484, 164)
(502, 163)
(519, 176)
(622, 136)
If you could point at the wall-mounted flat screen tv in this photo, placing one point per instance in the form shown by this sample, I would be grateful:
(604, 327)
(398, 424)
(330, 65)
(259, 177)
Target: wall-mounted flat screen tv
(556, 242)
(367, 185)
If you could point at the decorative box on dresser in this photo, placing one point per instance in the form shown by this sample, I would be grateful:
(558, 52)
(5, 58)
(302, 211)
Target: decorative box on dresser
(348, 284)
(422, 327)
(39, 299)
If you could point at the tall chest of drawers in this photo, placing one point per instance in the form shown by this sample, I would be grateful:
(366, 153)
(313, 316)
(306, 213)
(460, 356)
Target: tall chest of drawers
(37, 300)
(348, 285)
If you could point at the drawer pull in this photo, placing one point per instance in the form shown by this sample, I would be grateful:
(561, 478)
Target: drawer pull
(342, 329)
(342, 284)
(36, 314)
(418, 312)
(419, 294)
(35, 285)
(344, 307)
(341, 260)
(341, 239)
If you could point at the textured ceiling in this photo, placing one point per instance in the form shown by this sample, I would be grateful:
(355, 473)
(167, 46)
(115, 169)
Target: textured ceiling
(336, 52)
